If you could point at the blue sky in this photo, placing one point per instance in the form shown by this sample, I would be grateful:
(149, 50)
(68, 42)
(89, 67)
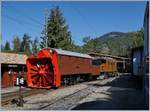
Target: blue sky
(84, 18)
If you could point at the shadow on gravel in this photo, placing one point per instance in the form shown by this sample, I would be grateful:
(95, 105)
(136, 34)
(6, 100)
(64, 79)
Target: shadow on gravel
(124, 81)
(125, 94)
(106, 105)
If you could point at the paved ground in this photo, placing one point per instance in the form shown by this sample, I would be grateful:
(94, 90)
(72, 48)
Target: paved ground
(118, 93)
(123, 93)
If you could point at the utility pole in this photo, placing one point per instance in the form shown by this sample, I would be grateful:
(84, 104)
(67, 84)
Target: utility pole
(46, 13)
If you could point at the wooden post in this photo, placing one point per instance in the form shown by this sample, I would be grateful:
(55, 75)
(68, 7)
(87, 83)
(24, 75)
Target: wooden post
(20, 95)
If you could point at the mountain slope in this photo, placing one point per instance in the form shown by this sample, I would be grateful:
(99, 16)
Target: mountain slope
(114, 43)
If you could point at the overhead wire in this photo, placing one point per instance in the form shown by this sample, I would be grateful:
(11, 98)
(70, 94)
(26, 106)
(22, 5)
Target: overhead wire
(18, 21)
(85, 20)
(27, 16)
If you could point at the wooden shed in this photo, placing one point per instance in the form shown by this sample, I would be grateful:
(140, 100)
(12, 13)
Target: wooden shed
(11, 64)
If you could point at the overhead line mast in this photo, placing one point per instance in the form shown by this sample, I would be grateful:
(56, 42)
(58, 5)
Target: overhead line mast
(46, 14)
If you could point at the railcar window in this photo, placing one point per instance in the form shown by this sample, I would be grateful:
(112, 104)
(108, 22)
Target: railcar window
(98, 61)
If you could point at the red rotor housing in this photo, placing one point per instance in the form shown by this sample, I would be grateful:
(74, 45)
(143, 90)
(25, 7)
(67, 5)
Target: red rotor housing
(43, 69)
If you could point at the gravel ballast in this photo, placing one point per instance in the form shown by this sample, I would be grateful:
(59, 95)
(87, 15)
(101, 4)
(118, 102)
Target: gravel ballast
(117, 93)
(75, 93)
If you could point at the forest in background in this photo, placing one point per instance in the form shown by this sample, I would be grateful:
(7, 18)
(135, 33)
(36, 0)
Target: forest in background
(59, 36)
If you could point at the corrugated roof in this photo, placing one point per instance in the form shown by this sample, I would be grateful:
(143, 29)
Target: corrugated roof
(12, 58)
(70, 53)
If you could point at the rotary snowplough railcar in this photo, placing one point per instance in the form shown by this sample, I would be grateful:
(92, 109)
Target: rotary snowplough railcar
(54, 67)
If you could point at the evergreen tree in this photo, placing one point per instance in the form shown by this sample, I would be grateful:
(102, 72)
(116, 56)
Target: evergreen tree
(86, 39)
(7, 46)
(16, 44)
(2, 48)
(105, 49)
(25, 44)
(57, 31)
(34, 45)
(91, 45)
(75, 48)
(137, 38)
(114, 43)
(43, 40)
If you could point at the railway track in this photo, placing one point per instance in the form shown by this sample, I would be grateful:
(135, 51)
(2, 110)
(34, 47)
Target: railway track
(6, 98)
(69, 101)
(54, 101)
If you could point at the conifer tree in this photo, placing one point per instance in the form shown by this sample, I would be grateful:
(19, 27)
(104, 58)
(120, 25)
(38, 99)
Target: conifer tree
(2, 48)
(34, 45)
(57, 31)
(16, 44)
(7, 46)
(25, 44)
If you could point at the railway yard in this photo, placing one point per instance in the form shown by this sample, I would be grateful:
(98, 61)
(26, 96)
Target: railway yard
(60, 75)
(121, 92)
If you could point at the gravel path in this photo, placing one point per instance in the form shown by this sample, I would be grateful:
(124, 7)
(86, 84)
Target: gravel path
(123, 93)
(63, 98)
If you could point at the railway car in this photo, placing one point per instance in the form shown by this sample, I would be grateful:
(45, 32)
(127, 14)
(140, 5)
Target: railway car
(53, 67)
(109, 66)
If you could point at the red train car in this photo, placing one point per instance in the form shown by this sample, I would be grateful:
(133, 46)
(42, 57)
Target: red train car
(53, 67)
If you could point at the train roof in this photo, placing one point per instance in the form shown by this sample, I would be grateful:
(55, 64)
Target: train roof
(70, 53)
(105, 58)
(105, 55)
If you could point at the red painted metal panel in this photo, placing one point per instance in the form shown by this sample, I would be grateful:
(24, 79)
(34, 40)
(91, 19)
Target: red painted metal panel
(43, 71)
(70, 65)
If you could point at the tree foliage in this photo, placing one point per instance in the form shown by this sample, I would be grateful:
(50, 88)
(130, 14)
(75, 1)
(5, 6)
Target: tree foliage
(7, 46)
(58, 35)
(16, 44)
(2, 47)
(114, 43)
(22, 45)
(86, 39)
(35, 45)
(91, 45)
(43, 40)
(25, 44)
